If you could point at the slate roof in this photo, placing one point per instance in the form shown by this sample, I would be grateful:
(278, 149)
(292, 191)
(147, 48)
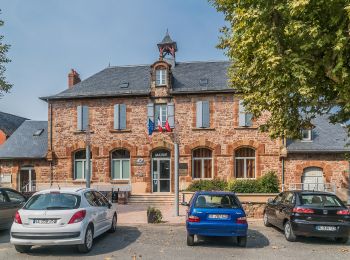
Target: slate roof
(110, 82)
(23, 144)
(326, 137)
(167, 39)
(9, 123)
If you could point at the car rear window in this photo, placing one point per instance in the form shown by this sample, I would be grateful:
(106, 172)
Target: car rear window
(320, 200)
(216, 201)
(53, 201)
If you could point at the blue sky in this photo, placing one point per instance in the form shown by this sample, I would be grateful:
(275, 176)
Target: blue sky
(50, 37)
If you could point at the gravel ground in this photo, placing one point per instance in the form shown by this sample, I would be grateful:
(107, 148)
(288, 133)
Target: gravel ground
(166, 241)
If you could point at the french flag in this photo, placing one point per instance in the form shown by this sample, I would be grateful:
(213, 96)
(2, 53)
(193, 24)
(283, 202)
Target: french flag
(160, 128)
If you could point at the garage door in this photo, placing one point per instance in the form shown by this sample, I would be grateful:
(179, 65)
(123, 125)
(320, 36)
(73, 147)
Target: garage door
(312, 179)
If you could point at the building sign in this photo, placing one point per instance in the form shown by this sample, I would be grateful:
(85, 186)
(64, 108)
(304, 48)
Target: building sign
(183, 166)
(139, 174)
(161, 154)
(183, 172)
(140, 162)
(5, 178)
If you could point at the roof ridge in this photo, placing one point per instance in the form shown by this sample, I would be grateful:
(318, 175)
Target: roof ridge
(13, 115)
(178, 62)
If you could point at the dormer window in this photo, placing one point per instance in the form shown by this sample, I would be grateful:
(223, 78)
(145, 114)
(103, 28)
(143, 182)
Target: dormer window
(160, 77)
(306, 135)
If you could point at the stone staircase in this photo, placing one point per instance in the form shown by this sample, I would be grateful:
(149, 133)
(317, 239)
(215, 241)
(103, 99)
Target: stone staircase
(151, 199)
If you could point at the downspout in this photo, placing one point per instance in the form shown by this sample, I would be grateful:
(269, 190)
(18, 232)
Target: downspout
(349, 186)
(283, 145)
(51, 146)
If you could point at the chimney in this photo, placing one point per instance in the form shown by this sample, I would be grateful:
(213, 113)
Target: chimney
(73, 78)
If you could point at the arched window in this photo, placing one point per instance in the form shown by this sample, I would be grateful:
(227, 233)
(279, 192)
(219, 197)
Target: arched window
(80, 165)
(202, 164)
(245, 163)
(120, 164)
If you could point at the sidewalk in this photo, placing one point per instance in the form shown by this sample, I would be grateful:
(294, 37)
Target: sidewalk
(137, 214)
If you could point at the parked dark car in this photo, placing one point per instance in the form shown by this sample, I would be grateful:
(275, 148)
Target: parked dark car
(10, 201)
(309, 213)
(216, 214)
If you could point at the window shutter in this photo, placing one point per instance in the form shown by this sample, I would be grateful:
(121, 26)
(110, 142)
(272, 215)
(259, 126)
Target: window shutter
(122, 116)
(116, 117)
(85, 117)
(79, 118)
(199, 116)
(242, 114)
(150, 112)
(206, 114)
(171, 114)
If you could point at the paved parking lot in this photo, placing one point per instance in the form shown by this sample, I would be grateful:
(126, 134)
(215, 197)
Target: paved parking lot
(169, 242)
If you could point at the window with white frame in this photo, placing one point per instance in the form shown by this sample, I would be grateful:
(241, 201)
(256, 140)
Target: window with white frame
(160, 77)
(160, 111)
(80, 165)
(245, 163)
(202, 164)
(306, 135)
(120, 164)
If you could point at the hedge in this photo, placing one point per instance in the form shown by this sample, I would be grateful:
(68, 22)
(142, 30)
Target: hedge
(265, 184)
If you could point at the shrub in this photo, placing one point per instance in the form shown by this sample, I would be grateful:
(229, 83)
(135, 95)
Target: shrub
(154, 215)
(265, 184)
(244, 186)
(208, 185)
(269, 183)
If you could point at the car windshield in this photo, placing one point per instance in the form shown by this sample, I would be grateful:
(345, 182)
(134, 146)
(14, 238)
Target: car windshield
(320, 200)
(53, 201)
(216, 201)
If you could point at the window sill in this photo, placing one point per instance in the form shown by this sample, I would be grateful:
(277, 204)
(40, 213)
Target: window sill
(161, 86)
(120, 181)
(78, 132)
(246, 128)
(120, 131)
(204, 128)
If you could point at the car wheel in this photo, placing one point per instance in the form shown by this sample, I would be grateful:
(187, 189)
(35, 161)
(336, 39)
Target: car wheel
(242, 241)
(190, 240)
(88, 241)
(266, 220)
(289, 233)
(114, 224)
(22, 248)
(342, 240)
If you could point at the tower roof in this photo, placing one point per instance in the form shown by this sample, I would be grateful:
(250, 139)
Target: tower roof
(167, 41)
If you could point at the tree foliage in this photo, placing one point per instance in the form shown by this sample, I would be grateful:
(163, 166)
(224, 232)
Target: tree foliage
(4, 85)
(289, 57)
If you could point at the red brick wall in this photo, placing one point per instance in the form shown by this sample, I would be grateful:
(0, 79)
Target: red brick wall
(41, 167)
(223, 137)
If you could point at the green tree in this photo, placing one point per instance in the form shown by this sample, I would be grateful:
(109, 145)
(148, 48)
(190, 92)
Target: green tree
(289, 57)
(4, 85)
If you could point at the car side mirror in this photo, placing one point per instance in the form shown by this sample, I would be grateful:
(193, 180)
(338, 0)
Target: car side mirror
(110, 204)
(185, 204)
(270, 201)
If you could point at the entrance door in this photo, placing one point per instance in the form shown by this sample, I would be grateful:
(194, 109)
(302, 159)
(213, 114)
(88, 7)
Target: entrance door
(161, 171)
(312, 179)
(27, 179)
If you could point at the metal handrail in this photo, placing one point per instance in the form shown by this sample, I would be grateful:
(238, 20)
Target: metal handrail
(330, 187)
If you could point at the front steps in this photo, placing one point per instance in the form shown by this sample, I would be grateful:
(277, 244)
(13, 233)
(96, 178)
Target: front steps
(156, 199)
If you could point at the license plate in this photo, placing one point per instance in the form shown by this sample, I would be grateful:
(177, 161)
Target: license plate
(326, 228)
(218, 216)
(44, 221)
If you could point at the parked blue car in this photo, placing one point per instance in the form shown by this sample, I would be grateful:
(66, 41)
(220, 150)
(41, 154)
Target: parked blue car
(216, 214)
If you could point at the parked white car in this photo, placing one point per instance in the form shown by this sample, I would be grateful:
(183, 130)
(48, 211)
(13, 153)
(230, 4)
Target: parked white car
(63, 217)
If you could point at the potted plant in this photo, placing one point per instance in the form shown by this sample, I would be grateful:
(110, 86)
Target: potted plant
(154, 215)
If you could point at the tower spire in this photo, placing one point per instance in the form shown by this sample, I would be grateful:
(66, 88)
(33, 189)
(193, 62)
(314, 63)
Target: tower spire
(167, 46)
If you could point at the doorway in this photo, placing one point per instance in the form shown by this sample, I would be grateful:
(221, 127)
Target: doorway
(27, 179)
(161, 180)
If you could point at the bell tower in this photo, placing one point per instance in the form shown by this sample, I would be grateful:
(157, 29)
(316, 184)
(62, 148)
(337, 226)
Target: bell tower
(167, 47)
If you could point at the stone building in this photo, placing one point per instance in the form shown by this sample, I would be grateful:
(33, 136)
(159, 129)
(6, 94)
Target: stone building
(217, 138)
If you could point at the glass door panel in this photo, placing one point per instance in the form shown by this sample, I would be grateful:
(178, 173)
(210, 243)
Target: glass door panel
(155, 178)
